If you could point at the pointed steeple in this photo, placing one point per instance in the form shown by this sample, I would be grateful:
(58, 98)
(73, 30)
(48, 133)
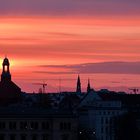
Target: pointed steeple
(78, 89)
(88, 86)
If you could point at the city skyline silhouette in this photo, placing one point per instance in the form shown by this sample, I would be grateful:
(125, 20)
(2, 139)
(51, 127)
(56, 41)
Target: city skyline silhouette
(60, 82)
(70, 70)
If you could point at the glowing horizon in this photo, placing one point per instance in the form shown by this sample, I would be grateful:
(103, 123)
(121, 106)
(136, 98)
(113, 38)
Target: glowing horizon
(33, 41)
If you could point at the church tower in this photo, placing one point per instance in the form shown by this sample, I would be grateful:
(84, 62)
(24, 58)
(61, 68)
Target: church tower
(6, 76)
(78, 89)
(9, 91)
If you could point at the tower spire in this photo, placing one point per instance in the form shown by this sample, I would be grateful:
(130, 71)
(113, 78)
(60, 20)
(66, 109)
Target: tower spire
(88, 86)
(6, 76)
(78, 89)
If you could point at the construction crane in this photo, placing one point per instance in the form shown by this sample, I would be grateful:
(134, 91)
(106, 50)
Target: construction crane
(43, 86)
(60, 80)
(135, 90)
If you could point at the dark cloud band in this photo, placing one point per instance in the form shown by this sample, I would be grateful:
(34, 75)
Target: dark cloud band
(64, 7)
(91, 68)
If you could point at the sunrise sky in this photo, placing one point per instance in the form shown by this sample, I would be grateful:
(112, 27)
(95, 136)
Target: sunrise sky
(48, 40)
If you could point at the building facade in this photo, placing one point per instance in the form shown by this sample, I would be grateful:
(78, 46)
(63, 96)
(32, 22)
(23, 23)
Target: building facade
(36, 124)
(96, 117)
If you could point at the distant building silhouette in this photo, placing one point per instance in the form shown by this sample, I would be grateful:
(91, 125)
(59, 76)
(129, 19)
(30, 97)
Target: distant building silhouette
(6, 76)
(30, 116)
(78, 89)
(97, 115)
(88, 86)
(9, 91)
